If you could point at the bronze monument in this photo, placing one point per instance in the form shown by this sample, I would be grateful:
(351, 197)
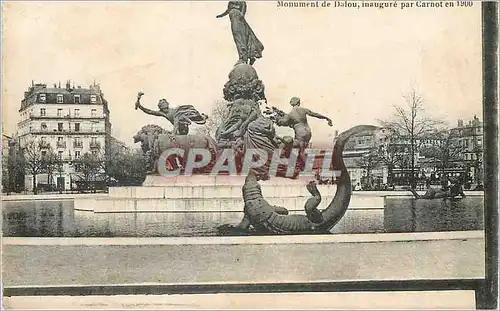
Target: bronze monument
(246, 127)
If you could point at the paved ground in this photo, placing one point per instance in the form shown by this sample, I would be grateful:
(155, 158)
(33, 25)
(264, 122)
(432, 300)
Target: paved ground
(132, 264)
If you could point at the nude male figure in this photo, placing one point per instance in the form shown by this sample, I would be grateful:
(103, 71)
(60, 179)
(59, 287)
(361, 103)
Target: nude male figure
(297, 119)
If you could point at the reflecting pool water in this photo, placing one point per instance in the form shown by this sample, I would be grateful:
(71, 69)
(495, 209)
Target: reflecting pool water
(58, 218)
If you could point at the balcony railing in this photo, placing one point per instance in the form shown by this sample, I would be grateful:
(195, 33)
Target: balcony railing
(95, 145)
(65, 116)
(66, 131)
(44, 145)
(61, 144)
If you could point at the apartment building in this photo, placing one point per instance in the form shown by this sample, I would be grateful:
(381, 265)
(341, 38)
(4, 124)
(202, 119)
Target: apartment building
(69, 121)
(470, 139)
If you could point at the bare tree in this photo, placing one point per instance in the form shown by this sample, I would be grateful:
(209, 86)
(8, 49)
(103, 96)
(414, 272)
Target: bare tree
(219, 113)
(410, 124)
(393, 158)
(50, 162)
(369, 162)
(35, 156)
(444, 148)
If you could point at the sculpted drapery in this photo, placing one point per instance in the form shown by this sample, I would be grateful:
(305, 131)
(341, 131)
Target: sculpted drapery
(248, 45)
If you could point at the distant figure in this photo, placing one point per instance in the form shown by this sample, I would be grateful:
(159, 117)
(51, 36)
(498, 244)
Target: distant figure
(451, 192)
(456, 189)
(446, 184)
(248, 46)
(297, 119)
(180, 117)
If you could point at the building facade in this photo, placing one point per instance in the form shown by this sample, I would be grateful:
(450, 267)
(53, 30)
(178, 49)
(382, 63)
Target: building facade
(6, 139)
(366, 171)
(67, 121)
(469, 137)
(455, 153)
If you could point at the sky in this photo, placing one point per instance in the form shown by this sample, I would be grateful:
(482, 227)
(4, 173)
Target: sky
(351, 65)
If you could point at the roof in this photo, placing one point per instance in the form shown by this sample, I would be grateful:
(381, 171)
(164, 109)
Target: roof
(32, 96)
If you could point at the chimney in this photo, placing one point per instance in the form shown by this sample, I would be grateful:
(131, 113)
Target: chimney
(59, 84)
(68, 85)
(460, 123)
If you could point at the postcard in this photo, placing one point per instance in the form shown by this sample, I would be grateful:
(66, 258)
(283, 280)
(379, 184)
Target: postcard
(249, 155)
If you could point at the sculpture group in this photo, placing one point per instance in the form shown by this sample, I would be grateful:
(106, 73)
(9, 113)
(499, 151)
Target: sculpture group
(250, 124)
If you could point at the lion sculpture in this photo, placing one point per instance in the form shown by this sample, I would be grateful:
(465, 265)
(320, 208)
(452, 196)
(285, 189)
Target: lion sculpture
(155, 140)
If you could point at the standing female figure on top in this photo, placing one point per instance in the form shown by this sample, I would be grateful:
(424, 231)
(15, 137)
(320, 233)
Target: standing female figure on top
(248, 45)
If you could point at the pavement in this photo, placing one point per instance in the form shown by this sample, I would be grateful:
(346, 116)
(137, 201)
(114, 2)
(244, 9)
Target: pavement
(343, 258)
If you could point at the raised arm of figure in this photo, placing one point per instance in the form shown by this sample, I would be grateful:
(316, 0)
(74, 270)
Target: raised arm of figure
(319, 116)
(146, 110)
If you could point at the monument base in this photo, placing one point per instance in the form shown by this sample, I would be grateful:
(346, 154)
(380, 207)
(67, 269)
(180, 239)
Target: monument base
(206, 179)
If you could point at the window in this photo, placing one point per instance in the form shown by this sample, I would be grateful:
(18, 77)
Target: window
(60, 153)
(43, 98)
(42, 112)
(44, 126)
(93, 99)
(77, 99)
(93, 112)
(44, 153)
(77, 154)
(60, 139)
(60, 127)
(43, 139)
(93, 140)
(77, 127)
(94, 152)
(60, 99)
(77, 112)
(78, 143)
(59, 112)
